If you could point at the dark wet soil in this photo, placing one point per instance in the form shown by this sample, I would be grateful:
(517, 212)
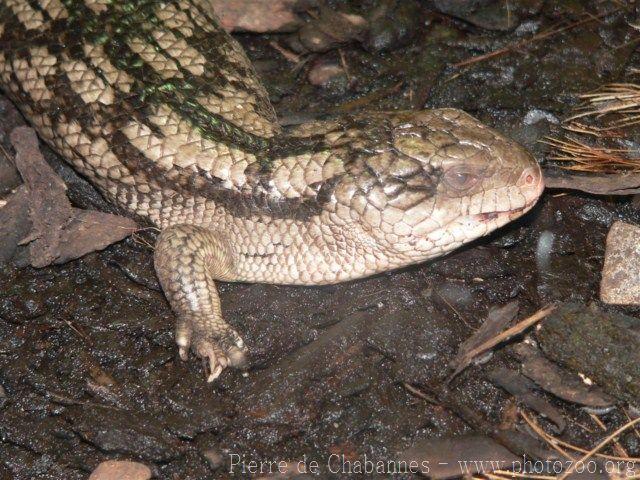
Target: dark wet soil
(88, 367)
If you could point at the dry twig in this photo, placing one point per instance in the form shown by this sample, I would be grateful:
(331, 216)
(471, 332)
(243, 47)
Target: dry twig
(616, 444)
(552, 441)
(556, 442)
(599, 447)
(615, 107)
(468, 355)
(535, 38)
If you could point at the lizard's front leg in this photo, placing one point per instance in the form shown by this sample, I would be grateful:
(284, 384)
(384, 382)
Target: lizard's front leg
(188, 259)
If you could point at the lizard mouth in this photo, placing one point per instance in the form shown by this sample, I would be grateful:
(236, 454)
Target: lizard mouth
(488, 216)
(505, 214)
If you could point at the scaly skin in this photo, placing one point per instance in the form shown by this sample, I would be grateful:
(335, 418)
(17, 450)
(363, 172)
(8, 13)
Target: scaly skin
(160, 109)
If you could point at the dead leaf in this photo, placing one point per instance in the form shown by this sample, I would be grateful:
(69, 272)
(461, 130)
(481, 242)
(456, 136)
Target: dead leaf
(497, 320)
(522, 389)
(59, 232)
(454, 457)
(469, 350)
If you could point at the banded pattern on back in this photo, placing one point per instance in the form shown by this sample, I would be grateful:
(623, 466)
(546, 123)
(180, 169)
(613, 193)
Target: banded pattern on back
(152, 99)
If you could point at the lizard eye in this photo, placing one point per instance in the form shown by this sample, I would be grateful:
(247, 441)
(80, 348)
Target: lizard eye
(460, 179)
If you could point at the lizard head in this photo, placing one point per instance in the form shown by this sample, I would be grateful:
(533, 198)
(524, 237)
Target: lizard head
(442, 180)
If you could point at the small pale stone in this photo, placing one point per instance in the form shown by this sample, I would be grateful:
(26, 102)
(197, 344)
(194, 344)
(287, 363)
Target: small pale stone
(121, 470)
(256, 15)
(214, 458)
(324, 73)
(621, 273)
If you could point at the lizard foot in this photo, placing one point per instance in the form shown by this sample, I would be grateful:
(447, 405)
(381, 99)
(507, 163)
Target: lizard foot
(187, 260)
(216, 353)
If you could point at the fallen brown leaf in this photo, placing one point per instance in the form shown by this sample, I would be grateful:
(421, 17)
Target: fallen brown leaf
(522, 389)
(59, 232)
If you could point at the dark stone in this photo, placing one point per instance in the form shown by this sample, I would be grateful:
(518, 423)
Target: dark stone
(393, 25)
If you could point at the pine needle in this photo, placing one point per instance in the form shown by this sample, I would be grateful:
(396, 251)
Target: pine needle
(619, 99)
(593, 159)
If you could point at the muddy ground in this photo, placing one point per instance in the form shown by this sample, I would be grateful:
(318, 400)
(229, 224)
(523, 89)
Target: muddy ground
(88, 367)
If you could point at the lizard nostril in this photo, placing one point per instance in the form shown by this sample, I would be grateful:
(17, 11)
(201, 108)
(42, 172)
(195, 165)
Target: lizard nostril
(528, 178)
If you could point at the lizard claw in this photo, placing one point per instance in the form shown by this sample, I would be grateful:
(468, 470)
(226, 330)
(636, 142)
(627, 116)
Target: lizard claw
(216, 355)
(214, 359)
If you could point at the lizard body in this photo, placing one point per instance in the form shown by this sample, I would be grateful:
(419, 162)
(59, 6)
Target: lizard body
(162, 111)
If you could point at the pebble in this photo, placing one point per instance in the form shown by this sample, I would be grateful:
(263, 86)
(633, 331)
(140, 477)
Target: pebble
(324, 73)
(621, 273)
(121, 470)
(256, 15)
(596, 212)
(214, 458)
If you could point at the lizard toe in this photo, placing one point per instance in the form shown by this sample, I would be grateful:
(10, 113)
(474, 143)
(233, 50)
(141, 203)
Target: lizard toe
(214, 358)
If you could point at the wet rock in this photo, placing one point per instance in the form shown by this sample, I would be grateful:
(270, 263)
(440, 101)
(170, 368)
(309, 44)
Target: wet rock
(454, 294)
(485, 263)
(490, 14)
(621, 273)
(536, 115)
(121, 470)
(570, 63)
(288, 396)
(25, 426)
(564, 10)
(596, 212)
(284, 399)
(3, 397)
(126, 433)
(393, 24)
(192, 410)
(603, 346)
